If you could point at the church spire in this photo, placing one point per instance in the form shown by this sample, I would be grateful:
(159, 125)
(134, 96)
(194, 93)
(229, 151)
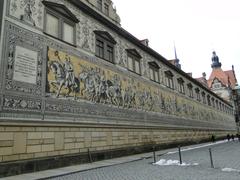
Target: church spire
(175, 51)
(215, 61)
(176, 58)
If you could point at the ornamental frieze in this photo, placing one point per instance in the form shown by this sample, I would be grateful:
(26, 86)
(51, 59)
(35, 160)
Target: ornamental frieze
(27, 11)
(18, 103)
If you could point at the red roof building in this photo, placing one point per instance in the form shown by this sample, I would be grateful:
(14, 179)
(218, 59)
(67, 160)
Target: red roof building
(221, 82)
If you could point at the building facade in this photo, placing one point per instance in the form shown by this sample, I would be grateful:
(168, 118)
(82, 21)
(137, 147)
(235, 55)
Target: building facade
(236, 100)
(222, 82)
(73, 83)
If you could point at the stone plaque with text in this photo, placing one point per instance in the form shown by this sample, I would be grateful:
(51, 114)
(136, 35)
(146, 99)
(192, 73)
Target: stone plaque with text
(25, 65)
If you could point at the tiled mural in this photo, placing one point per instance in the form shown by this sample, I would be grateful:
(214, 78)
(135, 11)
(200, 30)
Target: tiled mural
(70, 77)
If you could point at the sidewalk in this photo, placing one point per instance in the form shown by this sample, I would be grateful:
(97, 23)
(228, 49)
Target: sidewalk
(102, 164)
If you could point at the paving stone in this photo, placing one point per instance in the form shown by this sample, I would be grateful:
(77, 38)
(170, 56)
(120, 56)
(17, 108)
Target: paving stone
(225, 155)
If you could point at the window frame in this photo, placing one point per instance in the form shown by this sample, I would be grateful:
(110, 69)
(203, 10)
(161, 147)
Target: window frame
(106, 9)
(99, 5)
(61, 21)
(169, 79)
(203, 97)
(209, 100)
(181, 87)
(134, 60)
(107, 43)
(156, 74)
(190, 90)
(197, 91)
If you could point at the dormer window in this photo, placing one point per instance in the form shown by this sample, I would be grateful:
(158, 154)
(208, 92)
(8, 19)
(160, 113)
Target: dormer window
(133, 60)
(60, 22)
(154, 71)
(169, 79)
(104, 46)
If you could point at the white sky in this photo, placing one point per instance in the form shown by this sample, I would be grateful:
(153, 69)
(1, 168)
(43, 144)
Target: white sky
(196, 26)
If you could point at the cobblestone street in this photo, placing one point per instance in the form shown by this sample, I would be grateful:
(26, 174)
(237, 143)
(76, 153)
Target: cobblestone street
(225, 155)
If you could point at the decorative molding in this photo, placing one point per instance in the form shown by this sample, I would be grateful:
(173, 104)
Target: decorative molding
(21, 104)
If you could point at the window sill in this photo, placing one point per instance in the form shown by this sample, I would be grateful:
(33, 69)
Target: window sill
(155, 81)
(112, 62)
(134, 72)
(73, 45)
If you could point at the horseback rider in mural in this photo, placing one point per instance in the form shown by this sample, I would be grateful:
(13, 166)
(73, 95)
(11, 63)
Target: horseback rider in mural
(68, 67)
(64, 75)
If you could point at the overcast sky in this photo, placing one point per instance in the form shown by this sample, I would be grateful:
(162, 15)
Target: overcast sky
(196, 26)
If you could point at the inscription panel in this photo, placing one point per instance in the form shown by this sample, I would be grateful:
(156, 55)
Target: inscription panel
(25, 66)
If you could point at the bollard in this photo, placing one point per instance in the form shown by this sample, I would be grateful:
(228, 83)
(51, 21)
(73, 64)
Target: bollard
(89, 156)
(154, 154)
(211, 159)
(180, 155)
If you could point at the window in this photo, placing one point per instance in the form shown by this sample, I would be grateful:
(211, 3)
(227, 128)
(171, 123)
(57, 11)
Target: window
(110, 53)
(106, 9)
(204, 97)
(99, 4)
(68, 33)
(217, 85)
(52, 25)
(169, 79)
(190, 90)
(99, 48)
(133, 60)
(60, 22)
(217, 105)
(181, 85)
(213, 102)
(154, 71)
(104, 46)
(208, 100)
(197, 91)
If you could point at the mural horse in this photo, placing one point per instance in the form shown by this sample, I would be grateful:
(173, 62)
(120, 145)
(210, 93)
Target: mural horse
(62, 80)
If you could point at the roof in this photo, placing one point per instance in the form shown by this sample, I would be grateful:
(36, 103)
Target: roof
(203, 81)
(232, 77)
(227, 78)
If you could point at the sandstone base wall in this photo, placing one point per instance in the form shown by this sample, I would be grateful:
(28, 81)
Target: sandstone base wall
(26, 147)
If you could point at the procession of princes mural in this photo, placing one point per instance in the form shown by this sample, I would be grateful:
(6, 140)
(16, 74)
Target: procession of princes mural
(75, 79)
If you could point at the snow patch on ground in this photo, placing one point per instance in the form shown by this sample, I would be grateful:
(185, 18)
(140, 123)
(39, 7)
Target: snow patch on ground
(230, 170)
(164, 162)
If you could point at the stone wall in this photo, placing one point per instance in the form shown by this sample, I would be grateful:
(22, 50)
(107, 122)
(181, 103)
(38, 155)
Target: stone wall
(34, 141)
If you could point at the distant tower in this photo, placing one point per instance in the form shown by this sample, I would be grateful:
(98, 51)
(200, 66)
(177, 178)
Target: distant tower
(176, 59)
(215, 61)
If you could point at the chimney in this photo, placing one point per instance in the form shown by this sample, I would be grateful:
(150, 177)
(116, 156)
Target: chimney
(145, 42)
(190, 74)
